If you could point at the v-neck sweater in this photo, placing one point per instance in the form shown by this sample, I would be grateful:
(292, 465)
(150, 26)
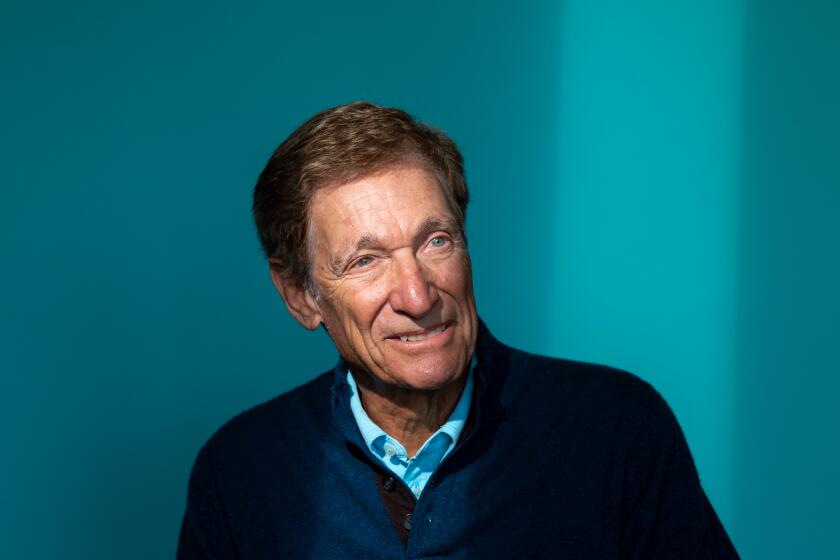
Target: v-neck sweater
(563, 459)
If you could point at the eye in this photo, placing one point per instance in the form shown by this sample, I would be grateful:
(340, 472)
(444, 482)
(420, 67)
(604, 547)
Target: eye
(438, 241)
(362, 262)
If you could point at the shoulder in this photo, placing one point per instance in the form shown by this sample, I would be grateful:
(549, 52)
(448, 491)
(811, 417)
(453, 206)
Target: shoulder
(271, 429)
(591, 395)
(524, 376)
(535, 372)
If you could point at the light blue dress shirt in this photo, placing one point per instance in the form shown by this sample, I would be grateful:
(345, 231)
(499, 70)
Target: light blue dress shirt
(414, 471)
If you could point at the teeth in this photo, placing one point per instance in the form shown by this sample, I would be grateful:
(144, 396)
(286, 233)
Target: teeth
(417, 337)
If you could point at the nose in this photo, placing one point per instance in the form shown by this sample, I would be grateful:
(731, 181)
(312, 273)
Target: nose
(411, 291)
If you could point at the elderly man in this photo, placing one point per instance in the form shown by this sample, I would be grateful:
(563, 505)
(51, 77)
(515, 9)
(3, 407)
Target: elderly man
(429, 439)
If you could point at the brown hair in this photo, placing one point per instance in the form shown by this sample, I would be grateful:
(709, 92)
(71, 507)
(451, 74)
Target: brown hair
(337, 146)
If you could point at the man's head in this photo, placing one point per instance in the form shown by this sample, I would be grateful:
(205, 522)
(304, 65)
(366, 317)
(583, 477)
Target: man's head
(361, 212)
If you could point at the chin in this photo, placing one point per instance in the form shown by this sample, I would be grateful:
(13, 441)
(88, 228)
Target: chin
(433, 376)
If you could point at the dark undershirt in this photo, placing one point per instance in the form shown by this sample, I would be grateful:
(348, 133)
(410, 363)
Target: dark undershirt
(398, 500)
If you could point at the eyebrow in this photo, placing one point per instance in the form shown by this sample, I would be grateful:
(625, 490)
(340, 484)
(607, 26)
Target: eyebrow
(369, 241)
(366, 241)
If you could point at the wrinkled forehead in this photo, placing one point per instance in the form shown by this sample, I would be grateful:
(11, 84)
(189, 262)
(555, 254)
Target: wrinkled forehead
(390, 206)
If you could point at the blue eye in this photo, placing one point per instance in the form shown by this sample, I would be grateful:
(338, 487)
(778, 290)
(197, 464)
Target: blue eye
(363, 262)
(439, 241)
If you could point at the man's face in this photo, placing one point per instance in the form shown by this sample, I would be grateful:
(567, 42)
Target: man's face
(394, 278)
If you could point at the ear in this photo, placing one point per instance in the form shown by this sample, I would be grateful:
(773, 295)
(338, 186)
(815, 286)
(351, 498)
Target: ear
(299, 301)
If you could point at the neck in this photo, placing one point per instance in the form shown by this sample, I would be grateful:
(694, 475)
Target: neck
(407, 415)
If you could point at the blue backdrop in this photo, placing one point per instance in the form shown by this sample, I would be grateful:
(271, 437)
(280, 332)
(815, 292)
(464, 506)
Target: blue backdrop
(655, 186)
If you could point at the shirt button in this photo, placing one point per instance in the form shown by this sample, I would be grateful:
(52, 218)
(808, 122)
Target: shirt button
(407, 522)
(389, 484)
(390, 450)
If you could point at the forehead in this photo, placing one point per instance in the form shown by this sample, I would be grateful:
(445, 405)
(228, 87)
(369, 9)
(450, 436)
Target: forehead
(389, 205)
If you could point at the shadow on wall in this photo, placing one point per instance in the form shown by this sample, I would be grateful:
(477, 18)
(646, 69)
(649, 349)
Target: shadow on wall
(788, 377)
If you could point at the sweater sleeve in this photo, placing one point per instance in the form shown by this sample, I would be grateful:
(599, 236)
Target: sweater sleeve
(205, 530)
(666, 513)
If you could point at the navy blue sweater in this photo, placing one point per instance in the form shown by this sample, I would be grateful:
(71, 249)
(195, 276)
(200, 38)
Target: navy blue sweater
(564, 460)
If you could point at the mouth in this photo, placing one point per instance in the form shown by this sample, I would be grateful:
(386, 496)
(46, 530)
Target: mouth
(425, 334)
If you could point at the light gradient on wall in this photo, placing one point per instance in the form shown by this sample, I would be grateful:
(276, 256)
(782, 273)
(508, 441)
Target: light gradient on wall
(654, 186)
(647, 207)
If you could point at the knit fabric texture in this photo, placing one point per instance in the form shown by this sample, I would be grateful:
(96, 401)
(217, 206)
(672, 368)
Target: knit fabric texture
(564, 460)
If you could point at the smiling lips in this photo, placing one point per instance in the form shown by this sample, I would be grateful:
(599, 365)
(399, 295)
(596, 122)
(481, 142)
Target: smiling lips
(423, 335)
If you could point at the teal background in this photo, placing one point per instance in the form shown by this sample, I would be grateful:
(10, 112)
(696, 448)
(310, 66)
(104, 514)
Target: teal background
(655, 186)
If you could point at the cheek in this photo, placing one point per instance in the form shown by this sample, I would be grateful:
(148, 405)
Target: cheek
(453, 276)
(358, 306)
(370, 296)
